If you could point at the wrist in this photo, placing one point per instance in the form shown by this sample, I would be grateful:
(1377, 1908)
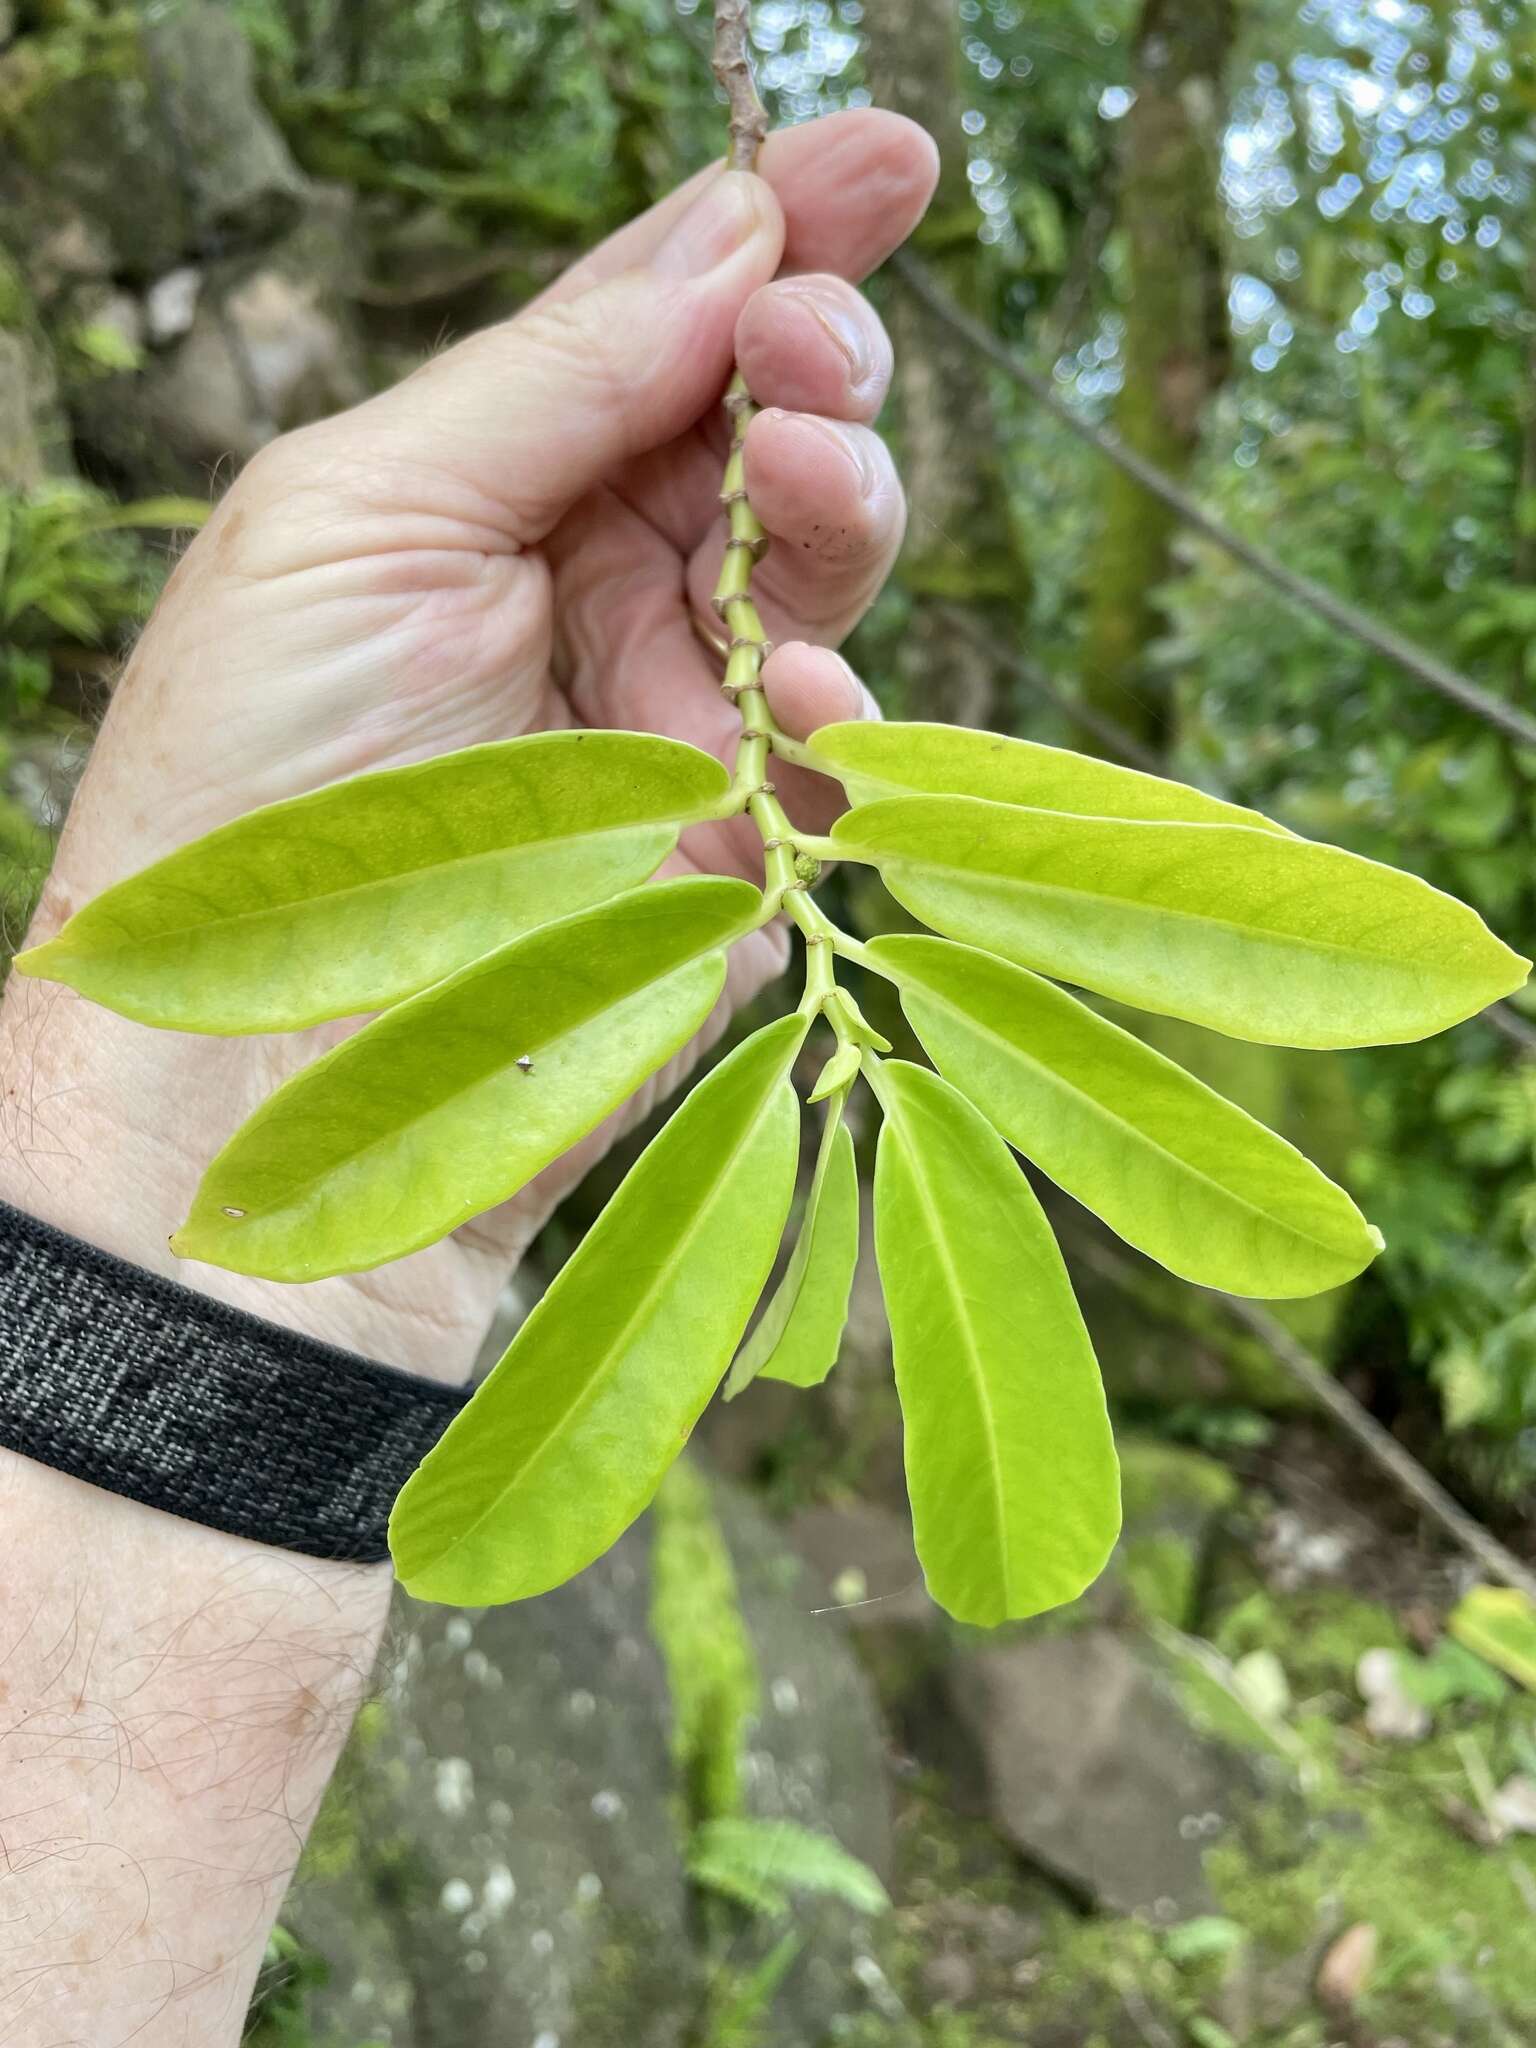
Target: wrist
(175, 1702)
(107, 1129)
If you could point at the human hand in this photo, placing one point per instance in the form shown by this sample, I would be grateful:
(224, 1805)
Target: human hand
(520, 536)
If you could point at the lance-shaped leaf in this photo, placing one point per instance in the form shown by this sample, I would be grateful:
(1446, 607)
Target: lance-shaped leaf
(360, 893)
(1259, 936)
(800, 1331)
(569, 1437)
(451, 1102)
(1186, 1177)
(874, 760)
(1010, 1463)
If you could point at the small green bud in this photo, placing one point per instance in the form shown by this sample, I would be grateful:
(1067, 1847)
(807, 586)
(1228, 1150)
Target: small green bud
(807, 868)
(841, 1070)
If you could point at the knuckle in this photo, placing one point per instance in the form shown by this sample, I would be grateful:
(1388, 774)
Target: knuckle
(579, 345)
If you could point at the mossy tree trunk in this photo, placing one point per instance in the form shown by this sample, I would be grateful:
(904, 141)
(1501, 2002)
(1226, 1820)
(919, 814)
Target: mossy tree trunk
(1175, 347)
(960, 549)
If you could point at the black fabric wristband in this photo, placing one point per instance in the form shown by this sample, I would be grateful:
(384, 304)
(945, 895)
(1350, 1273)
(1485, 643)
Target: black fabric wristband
(144, 1388)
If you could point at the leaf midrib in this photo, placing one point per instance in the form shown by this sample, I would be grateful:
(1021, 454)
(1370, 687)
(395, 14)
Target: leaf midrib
(933, 1215)
(396, 1132)
(616, 1349)
(1267, 826)
(1142, 1138)
(296, 905)
(953, 871)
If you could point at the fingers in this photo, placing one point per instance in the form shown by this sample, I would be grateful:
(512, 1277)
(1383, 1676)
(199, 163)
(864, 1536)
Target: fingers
(829, 498)
(852, 187)
(493, 441)
(808, 687)
(814, 344)
(805, 344)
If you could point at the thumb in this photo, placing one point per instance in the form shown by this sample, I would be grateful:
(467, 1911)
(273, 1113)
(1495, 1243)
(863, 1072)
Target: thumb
(529, 415)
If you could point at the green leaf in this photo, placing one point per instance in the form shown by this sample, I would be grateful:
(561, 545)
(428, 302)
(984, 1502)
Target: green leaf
(1010, 1462)
(569, 1437)
(801, 1329)
(1498, 1623)
(429, 1116)
(365, 891)
(166, 512)
(879, 760)
(1186, 1177)
(758, 1862)
(1254, 935)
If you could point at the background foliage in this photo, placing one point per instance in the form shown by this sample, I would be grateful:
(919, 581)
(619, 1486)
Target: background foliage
(1285, 250)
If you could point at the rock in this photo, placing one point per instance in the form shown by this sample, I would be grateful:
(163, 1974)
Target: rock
(171, 303)
(817, 1757)
(1514, 1805)
(1094, 1772)
(158, 143)
(1391, 1712)
(266, 347)
(1297, 1551)
(1173, 1499)
(244, 189)
(864, 1558)
(108, 328)
(34, 437)
(266, 357)
(502, 1858)
(1346, 1970)
(53, 243)
(950, 1978)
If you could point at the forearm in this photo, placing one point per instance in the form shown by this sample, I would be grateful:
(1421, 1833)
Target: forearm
(172, 1703)
(172, 1699)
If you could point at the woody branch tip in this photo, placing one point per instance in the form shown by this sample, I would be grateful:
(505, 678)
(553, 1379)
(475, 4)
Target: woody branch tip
(733, 72)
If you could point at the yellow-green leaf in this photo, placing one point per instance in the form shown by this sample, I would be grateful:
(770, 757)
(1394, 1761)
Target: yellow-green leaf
(569, 1437)
(874, 760)
(1499, 1624)
(1253, 934)
(452, 1101)
(1186, 1177)
(801, 1329)
(363, 892)
(1010, 1463)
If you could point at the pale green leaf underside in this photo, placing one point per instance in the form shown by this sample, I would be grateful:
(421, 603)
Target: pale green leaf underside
(1010, 1462)
(424, 1118)
(759, 1863)
(1258, 936)
(799, 1334)
(900, 759)
(363, 892)
(571, 1434)
(1177, 1171)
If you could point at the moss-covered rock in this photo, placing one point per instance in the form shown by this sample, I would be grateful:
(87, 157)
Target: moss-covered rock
(34, 434)
(151, 133)
(1172, 1500)
(502, 1856)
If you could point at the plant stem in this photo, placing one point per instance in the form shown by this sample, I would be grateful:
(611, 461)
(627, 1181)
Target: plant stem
(791, 859)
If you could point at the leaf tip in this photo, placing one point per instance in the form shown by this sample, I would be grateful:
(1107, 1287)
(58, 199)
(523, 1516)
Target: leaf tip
(38, 961)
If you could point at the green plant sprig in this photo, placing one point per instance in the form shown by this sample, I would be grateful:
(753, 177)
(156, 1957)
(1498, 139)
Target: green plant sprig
(497, 908)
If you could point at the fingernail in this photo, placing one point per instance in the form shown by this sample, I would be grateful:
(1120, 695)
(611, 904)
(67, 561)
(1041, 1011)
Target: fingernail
(846, 333)
(714, 227)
